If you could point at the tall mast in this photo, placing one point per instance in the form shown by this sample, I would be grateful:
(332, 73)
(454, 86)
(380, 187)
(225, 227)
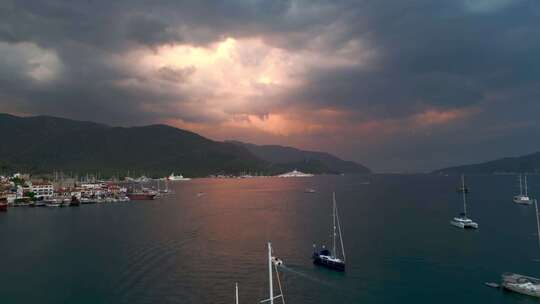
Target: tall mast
(464, 195)
(270, 272)
(520, 186)
(537, 221)
(340, 236)
(236, 294)
(526, 185)
(334, 217)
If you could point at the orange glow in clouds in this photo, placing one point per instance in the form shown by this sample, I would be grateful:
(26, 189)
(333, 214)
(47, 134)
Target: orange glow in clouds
(227, 84)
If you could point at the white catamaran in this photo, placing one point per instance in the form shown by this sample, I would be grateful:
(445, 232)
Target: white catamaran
(272, 262)
(462, 221)
(523, 199)
(326, 258)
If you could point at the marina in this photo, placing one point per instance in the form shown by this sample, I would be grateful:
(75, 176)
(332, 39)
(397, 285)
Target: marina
(271, 152)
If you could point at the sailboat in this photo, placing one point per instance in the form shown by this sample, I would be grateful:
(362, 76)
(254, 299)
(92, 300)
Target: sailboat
(521, 283)
(462, 221)
(326, 258)
(271, 262)
(522, 199)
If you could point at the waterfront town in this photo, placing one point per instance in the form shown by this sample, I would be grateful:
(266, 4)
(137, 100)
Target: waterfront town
(23, 190)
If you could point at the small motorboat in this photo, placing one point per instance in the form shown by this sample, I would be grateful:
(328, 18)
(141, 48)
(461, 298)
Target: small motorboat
(75, 202)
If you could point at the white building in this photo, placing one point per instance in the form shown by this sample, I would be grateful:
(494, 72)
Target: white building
(42, 190)
(11, 197)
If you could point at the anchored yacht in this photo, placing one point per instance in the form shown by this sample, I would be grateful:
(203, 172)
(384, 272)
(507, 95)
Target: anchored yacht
(521, 284)
(295, 173)
(523, 199)
(326, 258)
(462, 221)
(173, 177)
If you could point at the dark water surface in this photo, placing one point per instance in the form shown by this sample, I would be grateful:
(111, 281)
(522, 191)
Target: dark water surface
(192, 249)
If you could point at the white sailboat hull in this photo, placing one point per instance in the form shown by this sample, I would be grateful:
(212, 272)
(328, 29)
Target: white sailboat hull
(522, 200)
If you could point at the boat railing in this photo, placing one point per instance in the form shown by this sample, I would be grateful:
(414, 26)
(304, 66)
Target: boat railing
(514, 276)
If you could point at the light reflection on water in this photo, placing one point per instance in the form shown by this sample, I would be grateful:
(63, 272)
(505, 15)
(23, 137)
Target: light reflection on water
(190, 248)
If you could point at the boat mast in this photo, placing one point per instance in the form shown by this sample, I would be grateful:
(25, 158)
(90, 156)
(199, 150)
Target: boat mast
(520, 186)
(464, 195)
(334, 217)
(526, 185)
(236, 294)
(270, 272)
(340, 237)
(537, 221)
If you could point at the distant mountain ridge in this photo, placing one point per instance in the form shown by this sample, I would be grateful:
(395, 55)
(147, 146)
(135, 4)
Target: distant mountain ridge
(43, 144)
(529, 163)
(293, 158)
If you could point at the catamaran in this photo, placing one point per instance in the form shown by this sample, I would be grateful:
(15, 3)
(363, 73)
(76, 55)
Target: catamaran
(462, 221)
(272, 262)
(326, 258)
(522, 199)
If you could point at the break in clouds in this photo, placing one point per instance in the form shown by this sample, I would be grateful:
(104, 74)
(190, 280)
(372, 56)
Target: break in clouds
(397, 85)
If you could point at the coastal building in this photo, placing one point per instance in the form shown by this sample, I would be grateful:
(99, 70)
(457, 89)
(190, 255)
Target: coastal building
(42, 190)
(11, 197)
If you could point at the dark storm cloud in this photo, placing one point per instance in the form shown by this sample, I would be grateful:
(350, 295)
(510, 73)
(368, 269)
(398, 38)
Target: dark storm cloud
(62, 58)
(86, 35)
(430, 54)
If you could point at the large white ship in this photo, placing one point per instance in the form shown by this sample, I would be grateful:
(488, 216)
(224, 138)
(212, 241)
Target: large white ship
(173, 177)
(295, 173)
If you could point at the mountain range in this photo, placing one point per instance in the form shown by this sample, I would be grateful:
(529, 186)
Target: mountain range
(529, 163)
(43, 144)
(289, 157)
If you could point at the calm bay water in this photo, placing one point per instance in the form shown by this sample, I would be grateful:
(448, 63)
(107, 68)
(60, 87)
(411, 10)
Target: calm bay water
(192, 249)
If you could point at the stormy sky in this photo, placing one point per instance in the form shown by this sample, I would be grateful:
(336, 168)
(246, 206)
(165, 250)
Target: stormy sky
(397, 85)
